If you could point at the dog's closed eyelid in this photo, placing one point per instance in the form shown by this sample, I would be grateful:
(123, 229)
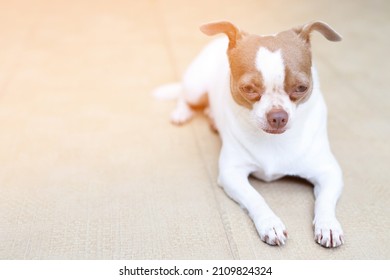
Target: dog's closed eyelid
(248, 88)
(299, 92)
(297, 86)
(300, 89)
(251, 91)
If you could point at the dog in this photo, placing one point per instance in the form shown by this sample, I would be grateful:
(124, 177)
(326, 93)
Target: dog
(262, 95)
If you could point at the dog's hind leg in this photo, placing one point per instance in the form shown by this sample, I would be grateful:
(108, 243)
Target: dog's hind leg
(186, 104)
(182, 113)
(193, 95)
(197, 81)
(184, 109)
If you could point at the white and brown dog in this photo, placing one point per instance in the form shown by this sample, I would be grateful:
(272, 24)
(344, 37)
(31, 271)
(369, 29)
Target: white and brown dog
(263, 95)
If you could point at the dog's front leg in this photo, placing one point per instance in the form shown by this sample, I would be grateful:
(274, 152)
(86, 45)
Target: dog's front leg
(327, 189)
(235, 182)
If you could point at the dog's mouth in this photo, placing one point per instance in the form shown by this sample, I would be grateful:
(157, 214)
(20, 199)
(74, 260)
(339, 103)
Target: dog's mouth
(274, 131)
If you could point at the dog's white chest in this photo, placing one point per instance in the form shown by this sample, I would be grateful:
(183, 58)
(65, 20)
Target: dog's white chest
(267, 175)
(271, 159)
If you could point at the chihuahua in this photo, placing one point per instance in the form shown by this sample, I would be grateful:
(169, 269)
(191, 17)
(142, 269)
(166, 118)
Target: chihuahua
(262, 95)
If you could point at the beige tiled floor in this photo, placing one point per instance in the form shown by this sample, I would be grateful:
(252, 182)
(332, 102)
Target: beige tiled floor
(90, 167)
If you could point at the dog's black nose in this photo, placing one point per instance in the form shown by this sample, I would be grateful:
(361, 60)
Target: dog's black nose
(277, 118)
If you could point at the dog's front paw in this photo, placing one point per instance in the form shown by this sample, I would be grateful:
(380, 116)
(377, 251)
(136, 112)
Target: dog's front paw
(328, 232)
(271, 230)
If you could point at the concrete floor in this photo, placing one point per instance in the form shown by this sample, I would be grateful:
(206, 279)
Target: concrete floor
(91, 168)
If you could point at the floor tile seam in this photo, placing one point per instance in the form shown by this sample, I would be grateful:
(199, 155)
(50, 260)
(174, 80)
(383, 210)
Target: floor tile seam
(221, 212)
(172, 61)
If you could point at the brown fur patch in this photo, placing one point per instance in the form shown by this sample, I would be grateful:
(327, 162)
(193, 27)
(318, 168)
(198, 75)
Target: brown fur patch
(297, 59)
(200, 104)
(247, 82)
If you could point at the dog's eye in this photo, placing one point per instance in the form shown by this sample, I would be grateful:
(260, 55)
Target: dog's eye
(248, 89)
(250, 92)
(301, 89)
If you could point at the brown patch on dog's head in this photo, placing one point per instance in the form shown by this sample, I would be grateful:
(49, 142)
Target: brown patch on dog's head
(241, 52)
(248, 83)
(294, 44)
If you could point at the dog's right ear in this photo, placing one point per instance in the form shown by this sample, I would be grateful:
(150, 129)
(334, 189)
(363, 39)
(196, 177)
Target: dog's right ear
(234, 34)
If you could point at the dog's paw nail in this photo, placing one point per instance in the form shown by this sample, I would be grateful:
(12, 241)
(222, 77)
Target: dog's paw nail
(285, 233)
(331, 239)
(328, 233)
(318, 238)
(271, 230)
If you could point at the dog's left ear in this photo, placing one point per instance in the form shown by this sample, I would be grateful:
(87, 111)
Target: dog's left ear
(327, 31)
(234, 34)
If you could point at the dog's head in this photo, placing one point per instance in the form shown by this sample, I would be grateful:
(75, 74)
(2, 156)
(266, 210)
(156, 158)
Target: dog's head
(271, 75)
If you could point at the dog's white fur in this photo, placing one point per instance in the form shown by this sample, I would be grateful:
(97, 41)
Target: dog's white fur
(302, 150)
